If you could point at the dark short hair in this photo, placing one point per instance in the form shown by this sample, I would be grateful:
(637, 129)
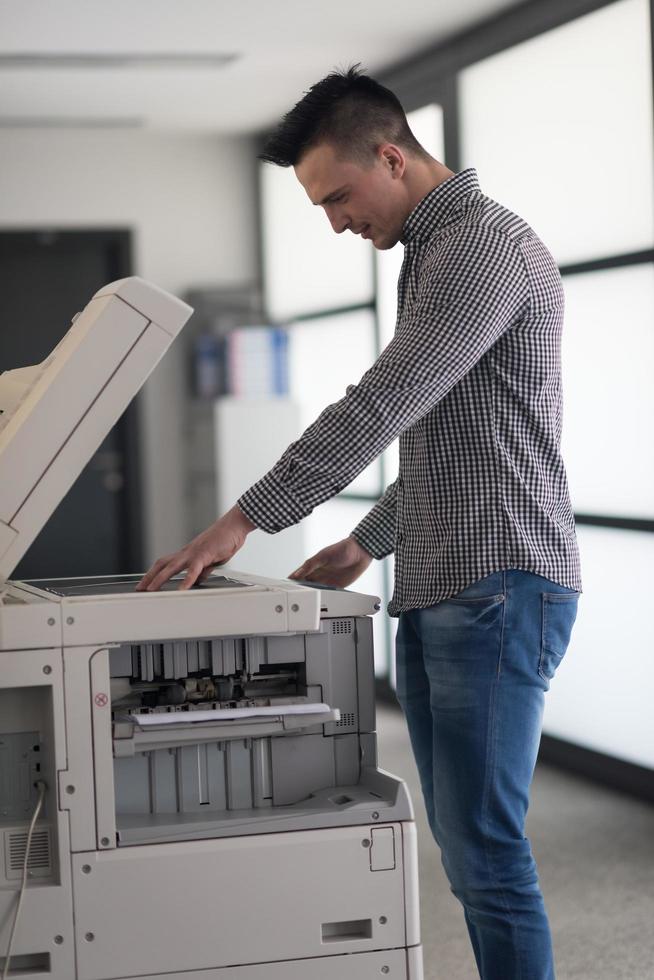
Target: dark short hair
(348, 110)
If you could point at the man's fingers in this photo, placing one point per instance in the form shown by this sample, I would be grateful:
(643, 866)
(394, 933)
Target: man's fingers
(165, 568)
(175, 565)
(193, 573)
(314, 568)
(314, 573)
(309, 566)
(150, 574)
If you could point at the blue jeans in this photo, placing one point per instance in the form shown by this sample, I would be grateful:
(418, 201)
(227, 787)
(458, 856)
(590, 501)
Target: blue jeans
(471, 675)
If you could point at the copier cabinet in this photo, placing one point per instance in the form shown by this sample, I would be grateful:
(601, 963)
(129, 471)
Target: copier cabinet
(219, 851)
(197, 769)
(256, 899)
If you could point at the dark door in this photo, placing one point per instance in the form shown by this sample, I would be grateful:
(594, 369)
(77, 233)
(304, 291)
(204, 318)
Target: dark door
(45, 278)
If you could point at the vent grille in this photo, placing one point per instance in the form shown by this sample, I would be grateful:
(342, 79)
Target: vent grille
(346, 719)
(39, 859)
(341, 626)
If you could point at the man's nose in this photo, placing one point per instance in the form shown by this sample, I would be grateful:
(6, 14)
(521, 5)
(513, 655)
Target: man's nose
(338, 220)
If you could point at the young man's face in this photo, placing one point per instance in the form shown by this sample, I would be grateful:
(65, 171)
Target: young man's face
(368, 201)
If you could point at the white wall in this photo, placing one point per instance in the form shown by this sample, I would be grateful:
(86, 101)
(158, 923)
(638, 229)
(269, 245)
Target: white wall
(189, 202)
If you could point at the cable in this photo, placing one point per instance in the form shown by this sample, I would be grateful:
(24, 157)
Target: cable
(37, 809)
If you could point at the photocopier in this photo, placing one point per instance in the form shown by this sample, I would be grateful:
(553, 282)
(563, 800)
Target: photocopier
(189, 786)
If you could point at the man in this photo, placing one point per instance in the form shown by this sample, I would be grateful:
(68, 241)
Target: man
(486, 561)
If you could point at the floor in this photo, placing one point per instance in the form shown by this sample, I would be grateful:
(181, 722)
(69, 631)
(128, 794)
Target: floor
(595, 854)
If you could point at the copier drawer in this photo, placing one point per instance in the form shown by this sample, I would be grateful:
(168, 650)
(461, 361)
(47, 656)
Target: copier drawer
(396, 964)
(197, 905)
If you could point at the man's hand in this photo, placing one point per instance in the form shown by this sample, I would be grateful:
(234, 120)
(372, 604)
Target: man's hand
(339, 564)
(215, 546)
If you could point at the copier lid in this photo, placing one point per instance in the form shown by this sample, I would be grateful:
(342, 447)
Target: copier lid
(54, 415)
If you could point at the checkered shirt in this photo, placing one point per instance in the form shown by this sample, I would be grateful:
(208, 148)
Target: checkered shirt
(471, 384)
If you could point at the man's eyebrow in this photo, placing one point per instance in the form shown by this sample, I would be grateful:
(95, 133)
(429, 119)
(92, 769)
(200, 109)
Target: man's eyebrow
(329, 196)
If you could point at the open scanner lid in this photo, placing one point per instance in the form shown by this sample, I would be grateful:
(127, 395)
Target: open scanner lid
(54, 415)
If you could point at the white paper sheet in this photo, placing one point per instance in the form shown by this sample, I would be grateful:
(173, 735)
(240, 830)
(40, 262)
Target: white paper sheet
(187, 717)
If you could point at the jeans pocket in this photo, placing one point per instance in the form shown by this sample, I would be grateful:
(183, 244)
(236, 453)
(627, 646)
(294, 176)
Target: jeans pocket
(476, 601)
(559, 614)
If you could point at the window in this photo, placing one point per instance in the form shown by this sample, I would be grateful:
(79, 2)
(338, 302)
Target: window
(601, 696)
(307, 268)
(608, 356)
(560, 130)
(326, 355)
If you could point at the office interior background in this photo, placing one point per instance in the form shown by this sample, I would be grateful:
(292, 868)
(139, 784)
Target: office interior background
(129, 136)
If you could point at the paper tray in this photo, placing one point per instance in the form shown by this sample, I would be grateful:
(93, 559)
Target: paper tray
(131, 737)
(224, 714)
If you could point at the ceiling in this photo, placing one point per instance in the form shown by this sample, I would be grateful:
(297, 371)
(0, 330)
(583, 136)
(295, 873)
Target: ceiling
(280, 46)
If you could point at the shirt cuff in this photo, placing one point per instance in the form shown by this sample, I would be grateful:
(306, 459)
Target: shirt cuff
(377, 537)
(270, 506)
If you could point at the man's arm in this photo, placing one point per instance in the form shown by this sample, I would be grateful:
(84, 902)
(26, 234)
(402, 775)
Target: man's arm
(342, 563)
(215, 546)
(376, 532)
(471, 289)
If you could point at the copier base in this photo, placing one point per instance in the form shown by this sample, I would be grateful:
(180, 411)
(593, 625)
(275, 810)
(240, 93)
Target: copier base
(398, 964)
(279, 902)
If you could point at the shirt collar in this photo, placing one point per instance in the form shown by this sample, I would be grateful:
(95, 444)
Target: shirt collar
(434, 209)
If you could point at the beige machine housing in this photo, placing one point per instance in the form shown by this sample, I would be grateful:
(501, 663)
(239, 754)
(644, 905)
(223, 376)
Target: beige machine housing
(214, 809)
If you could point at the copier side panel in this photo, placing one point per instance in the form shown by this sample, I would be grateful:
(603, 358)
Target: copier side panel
(411, 881)
(87, 783)
(33, 751)
(28, 621)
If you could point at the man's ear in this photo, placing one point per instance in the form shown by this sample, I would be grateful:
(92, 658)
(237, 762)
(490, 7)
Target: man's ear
(394, 159)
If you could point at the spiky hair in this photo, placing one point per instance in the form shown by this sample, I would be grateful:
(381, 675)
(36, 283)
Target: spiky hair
(347, 109)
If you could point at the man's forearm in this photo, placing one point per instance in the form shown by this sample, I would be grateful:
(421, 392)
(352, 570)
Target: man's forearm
(240, 520)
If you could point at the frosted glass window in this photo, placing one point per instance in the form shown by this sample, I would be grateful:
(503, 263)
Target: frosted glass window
(608, 366)
(389, 263)
(329, 523)
(307, 267)
(560, 130)
(326, 355)
(601, 695)
(427, 126)
(391, 458)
